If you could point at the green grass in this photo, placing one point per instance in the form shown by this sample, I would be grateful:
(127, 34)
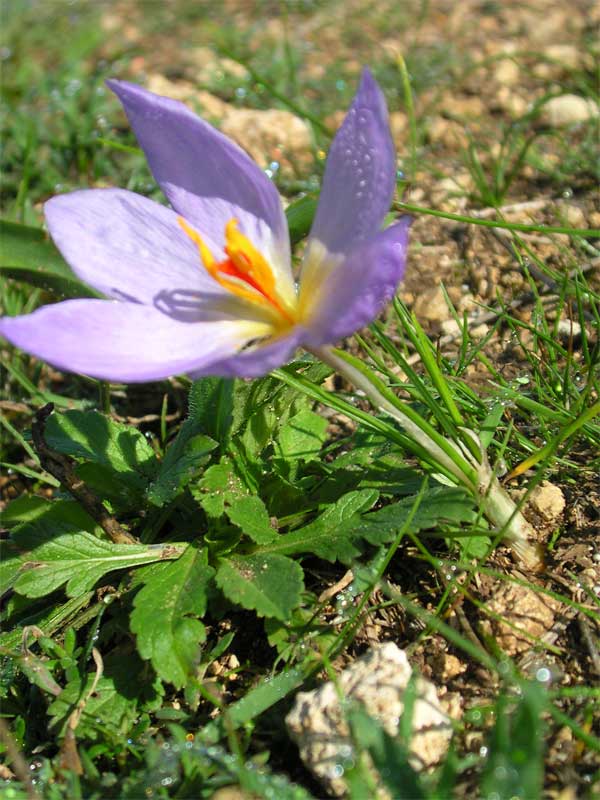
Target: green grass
(200, 490)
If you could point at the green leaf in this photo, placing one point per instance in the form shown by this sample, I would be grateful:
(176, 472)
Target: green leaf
(337, 533)
(330, 535)
(250, 515)
(186, 454)
(58, 554)
(52, 512)
(93, 437)
(490, 424)
(210, 406)
(124, 688)
(10, 565)
(269, 584)
(267, 693)
(27, 254)
(24, 509)
(441, 504)
(261, 408)
(220, 491)
(300, 439)
(165, 615)
(300, 215)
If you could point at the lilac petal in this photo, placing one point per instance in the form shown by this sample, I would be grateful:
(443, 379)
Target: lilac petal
(125, 342)
(125, 245)
(360, 174)
(258, 361)
(354, 292)
(207, 178)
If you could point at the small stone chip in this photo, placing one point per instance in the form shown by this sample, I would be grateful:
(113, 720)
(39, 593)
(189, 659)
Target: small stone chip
(378, 680)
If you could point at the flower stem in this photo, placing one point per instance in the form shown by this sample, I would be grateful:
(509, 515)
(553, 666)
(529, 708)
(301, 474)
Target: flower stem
(474, 474)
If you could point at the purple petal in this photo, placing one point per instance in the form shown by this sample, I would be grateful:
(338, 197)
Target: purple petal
(360, 174)
(125, 342)
(354, 292)
(254, 363)
(207, 178)
(125, 245)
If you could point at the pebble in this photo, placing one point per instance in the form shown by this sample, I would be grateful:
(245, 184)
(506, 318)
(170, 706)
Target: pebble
(521, 615)
(547, 498)
(507, 72)
(572, 214)
(568, 109)
(431, 305)
(378, 680)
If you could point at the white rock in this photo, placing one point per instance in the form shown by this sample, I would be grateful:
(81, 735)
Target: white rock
(568, 109)
(450, 327)
(548, 500)
(431, 305)
(378, 680)
(572, 214)
(507, 72)
(568, 329)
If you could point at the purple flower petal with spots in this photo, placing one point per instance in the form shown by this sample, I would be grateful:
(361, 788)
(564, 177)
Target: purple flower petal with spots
(206, 287)
(360, 173)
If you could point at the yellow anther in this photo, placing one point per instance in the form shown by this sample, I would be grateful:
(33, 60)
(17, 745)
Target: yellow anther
(245, 272)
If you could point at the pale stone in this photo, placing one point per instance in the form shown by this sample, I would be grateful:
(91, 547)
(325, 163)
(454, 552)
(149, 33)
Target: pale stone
(272, 135)
(547, 498)
(519, 617)
(450, 327)
(568, 109)
(431, 305)
(378, 680)
(507, 72)
(572, 214)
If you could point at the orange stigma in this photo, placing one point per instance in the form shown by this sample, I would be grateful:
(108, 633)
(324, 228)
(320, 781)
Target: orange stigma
(244, 272)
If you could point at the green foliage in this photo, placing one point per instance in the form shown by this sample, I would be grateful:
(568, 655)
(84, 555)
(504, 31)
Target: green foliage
(255, 502)
(59, 555)
(167, 612)
(269, 584)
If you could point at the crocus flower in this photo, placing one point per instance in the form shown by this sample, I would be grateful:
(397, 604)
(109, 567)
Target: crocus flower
(206, 287)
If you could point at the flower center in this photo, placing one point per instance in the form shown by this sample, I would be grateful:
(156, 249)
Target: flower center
(244, 272)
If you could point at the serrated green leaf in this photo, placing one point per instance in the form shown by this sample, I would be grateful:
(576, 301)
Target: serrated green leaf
(186, 454)
(212, 487)
(28, 254)
(220, 491)
(302, 436)
(439, 505)
(337, 533)
(330, 535)
(123, 689)
(261, 408)
(250, 515)
(93, 437)
(56, 554)
(166, 612)
(269, 584)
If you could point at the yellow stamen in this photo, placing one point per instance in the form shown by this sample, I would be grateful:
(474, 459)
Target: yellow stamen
(245, 272)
